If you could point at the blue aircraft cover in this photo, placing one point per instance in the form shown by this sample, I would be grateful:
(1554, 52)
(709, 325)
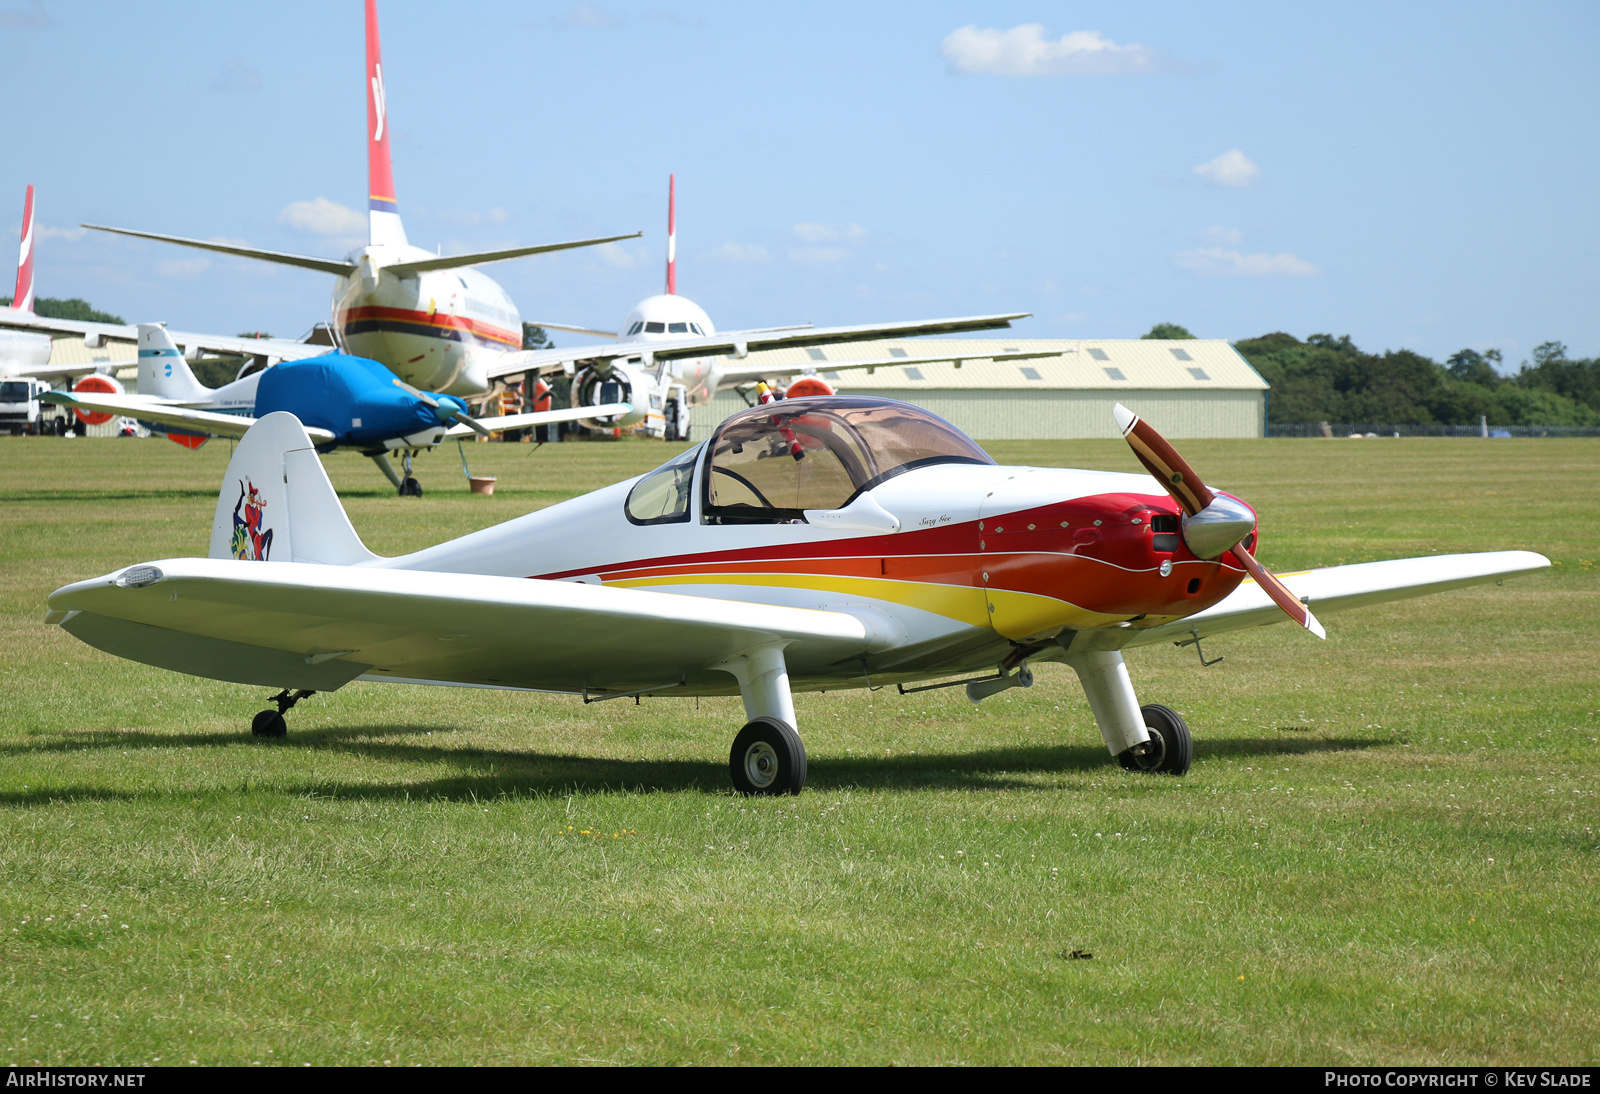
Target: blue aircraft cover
(355, 398)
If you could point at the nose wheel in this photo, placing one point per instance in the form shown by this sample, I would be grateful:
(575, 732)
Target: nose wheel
(767, 758)
(1169, 750)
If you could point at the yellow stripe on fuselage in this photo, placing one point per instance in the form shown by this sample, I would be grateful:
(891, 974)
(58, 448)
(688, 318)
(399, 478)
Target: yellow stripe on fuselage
(962, 603)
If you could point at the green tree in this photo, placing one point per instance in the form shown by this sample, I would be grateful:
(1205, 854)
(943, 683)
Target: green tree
(534, 337)
(1167, 331)
(75, 309)
(1475, 367)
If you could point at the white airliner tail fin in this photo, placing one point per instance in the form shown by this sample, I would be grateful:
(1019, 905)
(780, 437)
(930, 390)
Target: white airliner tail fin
(22, 299)
(163, 372)
(277, 504)
(383, 212)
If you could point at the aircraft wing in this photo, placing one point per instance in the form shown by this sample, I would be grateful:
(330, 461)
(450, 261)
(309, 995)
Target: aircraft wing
(733, 376)
(1336, 589)
(160, 412)
(540, 417)
(221, 345)
(739, 343)
(70, 372)
(302, 624)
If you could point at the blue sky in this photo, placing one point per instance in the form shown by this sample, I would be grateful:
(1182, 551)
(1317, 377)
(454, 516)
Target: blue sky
(1416, 175)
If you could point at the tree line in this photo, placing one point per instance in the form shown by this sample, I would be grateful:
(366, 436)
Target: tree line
(1328, 379)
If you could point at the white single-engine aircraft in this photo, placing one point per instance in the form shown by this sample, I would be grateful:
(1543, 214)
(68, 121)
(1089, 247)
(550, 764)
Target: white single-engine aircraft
(667, 356)
(816, 543)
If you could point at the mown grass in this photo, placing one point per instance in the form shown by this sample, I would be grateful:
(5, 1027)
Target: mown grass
(1386, 851)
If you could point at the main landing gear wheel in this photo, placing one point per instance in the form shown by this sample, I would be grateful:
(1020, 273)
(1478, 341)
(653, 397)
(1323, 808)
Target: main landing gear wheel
(410, 488)
(1169, 750)
(767, 758)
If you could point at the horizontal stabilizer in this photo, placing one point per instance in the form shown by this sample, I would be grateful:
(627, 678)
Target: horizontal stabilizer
(575, 330)
(307, 262)
(454, 262)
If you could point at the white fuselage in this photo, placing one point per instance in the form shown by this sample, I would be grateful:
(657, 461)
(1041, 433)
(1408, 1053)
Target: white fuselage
(438, 330)
(22, 350)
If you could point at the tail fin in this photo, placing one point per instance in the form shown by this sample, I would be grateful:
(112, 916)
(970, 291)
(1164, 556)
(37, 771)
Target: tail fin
(277, 504)
(672, 235)
(383, 212)
(22, 300)
(162, 370)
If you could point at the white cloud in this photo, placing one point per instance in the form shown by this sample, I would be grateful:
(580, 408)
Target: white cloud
(816, 255)
(69, 234)
(1232, 168)
(829, 233)
(739, 252)
(1230, 237)
(586, 14)
(1219, 260)
(35, 18)
(614, 254)
(183, 267)
(321, 217)
(1025, 51)
(497, 215)
(236, 76)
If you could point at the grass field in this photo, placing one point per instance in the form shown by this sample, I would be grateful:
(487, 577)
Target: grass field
(1386, 851)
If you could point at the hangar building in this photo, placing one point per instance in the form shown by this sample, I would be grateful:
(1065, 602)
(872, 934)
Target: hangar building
(1192, 388)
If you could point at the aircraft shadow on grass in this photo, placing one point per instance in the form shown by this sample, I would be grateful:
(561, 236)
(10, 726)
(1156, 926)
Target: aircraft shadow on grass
(487, 774)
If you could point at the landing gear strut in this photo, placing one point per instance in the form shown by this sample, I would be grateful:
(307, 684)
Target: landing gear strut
(1151, 738)
(270, 723)
(407, 487)
(767, 756)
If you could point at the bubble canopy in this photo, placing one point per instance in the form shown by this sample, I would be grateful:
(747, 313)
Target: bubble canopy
(773, 462)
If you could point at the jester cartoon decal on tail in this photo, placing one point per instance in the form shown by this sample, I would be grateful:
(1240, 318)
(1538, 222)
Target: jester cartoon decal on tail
(251, 542)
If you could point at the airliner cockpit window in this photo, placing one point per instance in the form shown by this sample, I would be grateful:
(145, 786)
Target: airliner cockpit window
(677, 328)
(637, 327)
(662, 496)
(771, 463)
(696, 328)
(655, 328)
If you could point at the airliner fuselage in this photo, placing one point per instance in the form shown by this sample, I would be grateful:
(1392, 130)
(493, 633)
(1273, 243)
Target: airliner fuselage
(440, 329)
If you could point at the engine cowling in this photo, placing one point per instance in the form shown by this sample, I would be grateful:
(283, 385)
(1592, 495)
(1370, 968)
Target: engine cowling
(96, 383)
(621, 384)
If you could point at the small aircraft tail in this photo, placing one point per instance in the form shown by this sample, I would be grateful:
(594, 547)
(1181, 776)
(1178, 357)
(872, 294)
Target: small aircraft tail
(672, 235)
(162, 370)
(22, 299)
(277, 504)
(383, 212)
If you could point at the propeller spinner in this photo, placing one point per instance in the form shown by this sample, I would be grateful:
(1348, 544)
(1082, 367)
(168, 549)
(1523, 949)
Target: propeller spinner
(447, 413)
(1213, 524)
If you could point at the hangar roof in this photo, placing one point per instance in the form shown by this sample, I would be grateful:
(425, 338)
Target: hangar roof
(1200, 364)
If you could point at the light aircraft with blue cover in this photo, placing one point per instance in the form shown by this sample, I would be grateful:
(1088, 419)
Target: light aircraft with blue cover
(340, 400)
(820, 543)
